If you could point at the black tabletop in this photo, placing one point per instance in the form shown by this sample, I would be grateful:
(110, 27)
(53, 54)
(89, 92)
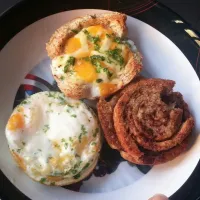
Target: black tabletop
(149, 11)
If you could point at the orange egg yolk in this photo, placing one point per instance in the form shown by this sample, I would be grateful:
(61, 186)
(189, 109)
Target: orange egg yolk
(15, 122)
(85, 70)
(72, 45)
(99, 30)
(107, 88)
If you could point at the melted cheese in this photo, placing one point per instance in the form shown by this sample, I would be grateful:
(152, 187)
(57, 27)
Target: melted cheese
(55, 138)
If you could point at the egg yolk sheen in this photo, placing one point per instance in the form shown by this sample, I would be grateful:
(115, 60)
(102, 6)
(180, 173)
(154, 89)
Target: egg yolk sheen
(96, 55)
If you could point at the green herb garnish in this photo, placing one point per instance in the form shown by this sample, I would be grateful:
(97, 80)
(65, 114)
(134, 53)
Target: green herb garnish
(19, 150)
(93, 16)
(63, 140)
(99, 80)
(116, 55)
(74, 116)
(108, 35)
(62, 78)
(70, 62)
(93, 39)
(77, 176)
(86, 166)
(46, 128)
(83, 132)
(52, 183)
(109, 74)
(74, 31)
(70, 139)
(42, 180)
(95, 132)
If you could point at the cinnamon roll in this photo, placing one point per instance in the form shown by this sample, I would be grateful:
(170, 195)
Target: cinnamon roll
(147, 122)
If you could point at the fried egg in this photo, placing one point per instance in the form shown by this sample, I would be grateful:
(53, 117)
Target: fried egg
(97, 59)
(54, 139)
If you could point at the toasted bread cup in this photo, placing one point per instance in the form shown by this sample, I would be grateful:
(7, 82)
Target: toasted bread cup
(91, 58)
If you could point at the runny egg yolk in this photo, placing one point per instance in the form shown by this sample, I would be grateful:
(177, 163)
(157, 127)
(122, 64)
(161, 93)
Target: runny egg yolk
(107, 88)
(99, 30)
(80, 147)
(72, 45)
(15, 122)
(85, 70)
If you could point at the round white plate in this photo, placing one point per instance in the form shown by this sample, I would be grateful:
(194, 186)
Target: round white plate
(161, 59)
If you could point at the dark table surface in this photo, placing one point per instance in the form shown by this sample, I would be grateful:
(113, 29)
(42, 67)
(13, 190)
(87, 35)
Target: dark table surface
(151, 12)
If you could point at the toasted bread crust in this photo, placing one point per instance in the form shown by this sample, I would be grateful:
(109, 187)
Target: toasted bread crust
(125, 132)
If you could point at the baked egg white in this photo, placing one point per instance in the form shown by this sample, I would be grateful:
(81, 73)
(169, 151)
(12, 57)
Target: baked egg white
(95, 57)
(54, 139)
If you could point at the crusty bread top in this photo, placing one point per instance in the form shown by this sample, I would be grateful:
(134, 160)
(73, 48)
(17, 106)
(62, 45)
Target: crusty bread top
(113, 20)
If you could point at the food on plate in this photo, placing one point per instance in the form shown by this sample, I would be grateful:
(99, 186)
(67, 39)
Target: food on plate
(91, 56)
(147, 122)
(54, 139)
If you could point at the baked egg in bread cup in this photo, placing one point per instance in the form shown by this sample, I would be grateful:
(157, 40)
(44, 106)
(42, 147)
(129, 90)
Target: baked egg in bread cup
(91, 56)
(55, 140)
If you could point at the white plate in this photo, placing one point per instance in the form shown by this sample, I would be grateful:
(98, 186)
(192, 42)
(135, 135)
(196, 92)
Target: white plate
(161, 59)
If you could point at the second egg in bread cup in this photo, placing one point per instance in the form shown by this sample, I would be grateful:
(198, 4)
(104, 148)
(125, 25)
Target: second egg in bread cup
(91, 57)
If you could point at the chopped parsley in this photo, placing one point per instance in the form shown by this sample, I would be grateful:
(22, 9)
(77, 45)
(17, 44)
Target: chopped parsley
(19, 150)
(86, 58)
(24, 143)
(95, 60)
(74, 116)
(62, 100)
(62, 78)
(93, 39)
(49, 158)
(57, 173)
(65, 143)
(42, 180)
(40, 150)
(93, 16)
(70, 139)
(117, 40)
(95, 132)
(52, 94)
(109, 74)
(86, 166)
(77, 176)
(77, 156)
(46, 128)
(83, 129)
(70, 62)
(69, 105)
(108, 35)
(52, 183)
(74, 31)
(74, 171)
(24, 102)
(93, 143)
(99, 80)
(83, 132)
(116, 55)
